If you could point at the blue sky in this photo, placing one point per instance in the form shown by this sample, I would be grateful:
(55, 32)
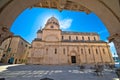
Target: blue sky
(30, 20)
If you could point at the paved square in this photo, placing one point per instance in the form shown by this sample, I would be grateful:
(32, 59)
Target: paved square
(61, 72)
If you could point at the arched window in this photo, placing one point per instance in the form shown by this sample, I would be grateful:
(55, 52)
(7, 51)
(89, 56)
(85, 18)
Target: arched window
(46, 50)
(89, 51)
(5, 47)
(52, 26)
(96, 51)
(62, 37)
(89, 38)
(94, 39)
(64, 51)
(104, 51)
(69, 37)
(81, 51)
(82, 38)
(76, 38)
(55, 51)
(21, 43)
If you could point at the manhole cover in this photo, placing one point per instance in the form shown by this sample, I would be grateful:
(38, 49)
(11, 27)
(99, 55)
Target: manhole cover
(46, 79)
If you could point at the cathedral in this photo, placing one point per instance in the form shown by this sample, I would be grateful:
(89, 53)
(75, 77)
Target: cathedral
(54, 46)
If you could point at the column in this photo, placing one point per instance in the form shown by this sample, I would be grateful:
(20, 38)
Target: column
(115, 38)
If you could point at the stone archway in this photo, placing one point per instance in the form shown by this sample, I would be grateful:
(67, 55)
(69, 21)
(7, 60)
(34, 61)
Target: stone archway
(107, 10)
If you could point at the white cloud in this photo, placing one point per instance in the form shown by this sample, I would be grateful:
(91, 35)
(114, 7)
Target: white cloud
(65, 24)
(102, 31)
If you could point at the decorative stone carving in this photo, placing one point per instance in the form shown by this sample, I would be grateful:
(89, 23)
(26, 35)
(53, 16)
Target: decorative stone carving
(4, 33)
(62, 4)
(116, 40)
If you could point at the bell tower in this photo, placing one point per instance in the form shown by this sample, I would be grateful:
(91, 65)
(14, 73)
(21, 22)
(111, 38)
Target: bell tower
(52, 23)
(51, 31)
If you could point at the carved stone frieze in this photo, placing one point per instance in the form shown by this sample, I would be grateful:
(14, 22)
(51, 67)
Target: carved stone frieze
(4, 33)
(62, 4)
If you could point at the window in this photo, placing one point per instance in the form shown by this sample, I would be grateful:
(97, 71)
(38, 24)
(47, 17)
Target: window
(56, 23)
(81, 51)
(46, 49)
(64, 51)
(69, 37)
(9, 49)
(26, 45)
(76, 38)
(96, 51)
(89, 51)
(53, 22)
(104, 51)
(21, 43)
(52, 26)
(55, 51)
(62, 37)
(5, 46)
(94, 38)
(3, 55)
(82, 38)
(89, 38)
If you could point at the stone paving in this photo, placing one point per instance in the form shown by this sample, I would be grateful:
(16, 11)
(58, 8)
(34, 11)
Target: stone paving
(64, 72)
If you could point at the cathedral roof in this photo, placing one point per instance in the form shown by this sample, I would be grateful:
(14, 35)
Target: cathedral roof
(83, 41)
(52, 20)
(37, 39)
(39, 31)
(83, 33)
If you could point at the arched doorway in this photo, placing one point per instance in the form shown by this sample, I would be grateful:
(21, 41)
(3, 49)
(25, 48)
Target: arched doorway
(15, 61)
(110, 17)
(73, 57)
(11, 60)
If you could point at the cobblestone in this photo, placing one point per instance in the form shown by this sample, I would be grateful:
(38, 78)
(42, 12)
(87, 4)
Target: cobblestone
(56, 72)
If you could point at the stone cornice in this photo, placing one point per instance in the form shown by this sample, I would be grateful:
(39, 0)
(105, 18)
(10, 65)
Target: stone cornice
(62, 4)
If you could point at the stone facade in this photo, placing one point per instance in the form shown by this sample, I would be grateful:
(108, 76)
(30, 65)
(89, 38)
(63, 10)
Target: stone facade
(1, 53)
(110, 17)
(54, 46)
(14, 50)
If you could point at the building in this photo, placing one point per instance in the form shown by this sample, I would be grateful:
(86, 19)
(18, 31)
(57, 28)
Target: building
(54, 46)
(15, 50)
(1, 53)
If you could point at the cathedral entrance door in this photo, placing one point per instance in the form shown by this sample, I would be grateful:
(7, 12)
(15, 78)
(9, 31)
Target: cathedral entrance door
(73, 59)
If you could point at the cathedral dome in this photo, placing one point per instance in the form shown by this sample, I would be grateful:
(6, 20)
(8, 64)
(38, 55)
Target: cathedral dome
(52, 20)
